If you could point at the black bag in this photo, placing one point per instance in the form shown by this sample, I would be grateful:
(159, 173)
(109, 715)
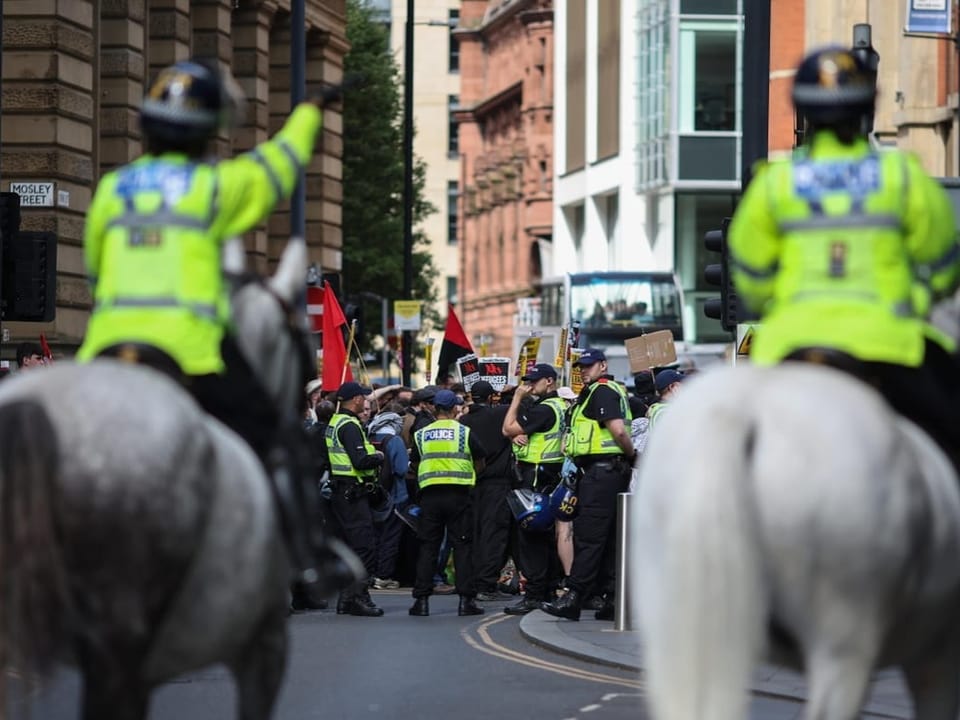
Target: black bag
(386, 478)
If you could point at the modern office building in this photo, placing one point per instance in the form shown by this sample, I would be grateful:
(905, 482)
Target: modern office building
(73, 77)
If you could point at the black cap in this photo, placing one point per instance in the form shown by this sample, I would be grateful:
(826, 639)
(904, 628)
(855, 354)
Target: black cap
(540, 371)
(481, 390)
(350, 390)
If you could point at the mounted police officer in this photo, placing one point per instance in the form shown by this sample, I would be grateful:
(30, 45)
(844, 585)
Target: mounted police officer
(447, 456)
(539, 461)
(843, 248)
(354, 476)
(152, 244)
(598, 441)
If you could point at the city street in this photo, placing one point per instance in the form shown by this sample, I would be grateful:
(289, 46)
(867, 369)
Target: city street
(398, 667)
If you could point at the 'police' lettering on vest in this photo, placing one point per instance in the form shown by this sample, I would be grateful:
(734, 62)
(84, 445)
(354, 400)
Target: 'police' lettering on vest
(439, 434)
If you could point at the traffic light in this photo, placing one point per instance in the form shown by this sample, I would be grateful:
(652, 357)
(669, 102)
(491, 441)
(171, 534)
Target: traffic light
(29, 279)
(724, 308)
(353, 310)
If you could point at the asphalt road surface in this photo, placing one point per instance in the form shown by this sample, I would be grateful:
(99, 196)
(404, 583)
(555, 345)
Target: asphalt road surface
(399, 667)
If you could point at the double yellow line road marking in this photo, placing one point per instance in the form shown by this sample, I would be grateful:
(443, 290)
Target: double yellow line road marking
(478, 637)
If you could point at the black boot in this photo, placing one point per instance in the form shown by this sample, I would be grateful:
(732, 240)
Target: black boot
(526, 605)
(468, 606)
(420, 607)
(356, 606)
(301, 600)
(567, 606)
(607, 612)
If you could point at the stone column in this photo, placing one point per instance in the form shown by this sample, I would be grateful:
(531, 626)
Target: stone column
(49, 134)
(122, 79)
(169, 25)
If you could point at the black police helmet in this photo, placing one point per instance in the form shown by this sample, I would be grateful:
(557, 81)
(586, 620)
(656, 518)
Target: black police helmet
(186, 104)
(833, 87)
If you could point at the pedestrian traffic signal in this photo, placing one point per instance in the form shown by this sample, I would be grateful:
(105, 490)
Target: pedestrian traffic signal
(29, 279)
(726, 307)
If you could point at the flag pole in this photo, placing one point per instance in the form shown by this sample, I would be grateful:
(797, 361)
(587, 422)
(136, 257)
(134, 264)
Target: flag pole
(346, 355)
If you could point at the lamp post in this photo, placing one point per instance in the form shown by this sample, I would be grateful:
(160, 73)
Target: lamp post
(385, 352)
(406, 353)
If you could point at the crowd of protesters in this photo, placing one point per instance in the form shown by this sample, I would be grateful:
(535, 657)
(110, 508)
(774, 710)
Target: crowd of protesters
(418, 483)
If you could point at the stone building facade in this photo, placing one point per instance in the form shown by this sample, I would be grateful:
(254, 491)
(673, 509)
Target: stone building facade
(74, 72)
(506, 148)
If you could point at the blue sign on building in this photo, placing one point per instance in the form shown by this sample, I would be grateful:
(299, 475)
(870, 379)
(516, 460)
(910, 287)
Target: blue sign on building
(928, 16)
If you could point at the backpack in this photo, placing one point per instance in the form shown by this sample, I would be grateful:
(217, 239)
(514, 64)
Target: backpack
(386, 478)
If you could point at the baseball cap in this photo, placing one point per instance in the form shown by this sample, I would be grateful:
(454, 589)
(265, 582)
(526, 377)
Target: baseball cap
(350, 390)
(425, 394)
(540, 371)
(666, 378)
(590, 356)
(481, 390)
(566, 393)
(446, 400)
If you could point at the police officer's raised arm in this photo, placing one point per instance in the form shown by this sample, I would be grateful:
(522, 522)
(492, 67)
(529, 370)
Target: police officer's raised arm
(931, 231)
(754, 242)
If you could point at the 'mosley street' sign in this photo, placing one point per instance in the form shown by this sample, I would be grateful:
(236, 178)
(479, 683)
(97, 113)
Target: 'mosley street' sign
(34, 194)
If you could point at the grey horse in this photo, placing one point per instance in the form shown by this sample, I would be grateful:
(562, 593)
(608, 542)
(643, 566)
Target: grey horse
(788, 513)
(138, 537)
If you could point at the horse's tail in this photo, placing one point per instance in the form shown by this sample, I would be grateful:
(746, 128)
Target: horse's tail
(702, 598)
(33, 586)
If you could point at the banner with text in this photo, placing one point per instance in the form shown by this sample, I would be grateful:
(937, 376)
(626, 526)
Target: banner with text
(496, 371)
(928, 16)
(469, 368)
(406, 315)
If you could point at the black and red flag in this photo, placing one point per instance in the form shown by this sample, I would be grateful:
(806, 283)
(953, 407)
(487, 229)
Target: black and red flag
(455, 344)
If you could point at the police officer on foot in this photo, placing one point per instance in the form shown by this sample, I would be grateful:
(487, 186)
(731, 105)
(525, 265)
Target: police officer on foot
(539, 462)
(448, 456)
(354, 474)
(153, 238)
(843, 248)
(599, 443)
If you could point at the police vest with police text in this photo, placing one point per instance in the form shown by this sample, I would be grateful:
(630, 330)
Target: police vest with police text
(445, 459)
(340, 463)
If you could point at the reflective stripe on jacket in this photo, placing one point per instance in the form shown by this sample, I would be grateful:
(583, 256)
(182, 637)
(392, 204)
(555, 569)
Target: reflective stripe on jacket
(843, 247)
(589, 437)
(340, 463)
(445, 459)
(544, 447)
(153, 240)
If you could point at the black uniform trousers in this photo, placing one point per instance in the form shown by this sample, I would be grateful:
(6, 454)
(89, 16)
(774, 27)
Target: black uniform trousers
(537, 550)
(595, 527)
(491, 544)
(352, 517)
(450, 508)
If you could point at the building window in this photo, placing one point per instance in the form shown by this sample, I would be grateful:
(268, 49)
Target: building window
(453, 61)
(453, 192)
(452, 289)
(608, 79)
(453, 130)
(653, 86)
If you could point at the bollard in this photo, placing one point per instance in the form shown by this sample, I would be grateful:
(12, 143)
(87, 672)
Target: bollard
(626, 515)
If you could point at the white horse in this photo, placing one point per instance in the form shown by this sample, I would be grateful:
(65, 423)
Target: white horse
(138, 537)
(787, 513)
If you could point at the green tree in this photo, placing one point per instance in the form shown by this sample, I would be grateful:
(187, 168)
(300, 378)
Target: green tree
(373, 179)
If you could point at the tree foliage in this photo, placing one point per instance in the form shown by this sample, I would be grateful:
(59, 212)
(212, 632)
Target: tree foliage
(373, 173)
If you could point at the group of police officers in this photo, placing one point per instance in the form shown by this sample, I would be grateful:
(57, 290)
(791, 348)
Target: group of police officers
(842, 249)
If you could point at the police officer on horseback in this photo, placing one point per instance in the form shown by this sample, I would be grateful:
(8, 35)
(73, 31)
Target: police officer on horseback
(843, 248)
(152, 244)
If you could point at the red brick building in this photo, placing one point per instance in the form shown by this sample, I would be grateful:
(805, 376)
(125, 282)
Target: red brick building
(506, 141)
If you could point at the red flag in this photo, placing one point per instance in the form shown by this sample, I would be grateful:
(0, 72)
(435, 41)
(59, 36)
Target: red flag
(455, 344)
(334, 349)
(47, 352)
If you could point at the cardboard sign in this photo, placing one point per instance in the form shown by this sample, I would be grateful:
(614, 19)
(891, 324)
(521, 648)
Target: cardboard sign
(576, 377)
(469, 368)
(652, 350)
(496, 371)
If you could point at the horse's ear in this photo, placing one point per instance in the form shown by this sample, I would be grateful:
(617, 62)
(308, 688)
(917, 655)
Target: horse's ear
(234, 257)
(291, 276)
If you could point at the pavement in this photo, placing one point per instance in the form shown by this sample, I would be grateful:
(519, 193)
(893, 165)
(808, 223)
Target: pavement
(598, 642)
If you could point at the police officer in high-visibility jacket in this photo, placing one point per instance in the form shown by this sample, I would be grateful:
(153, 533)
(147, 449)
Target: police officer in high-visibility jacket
(843, 248)
(154, 234)
(354, 476)
(447, 456)
(598, 441)
(539, 461)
